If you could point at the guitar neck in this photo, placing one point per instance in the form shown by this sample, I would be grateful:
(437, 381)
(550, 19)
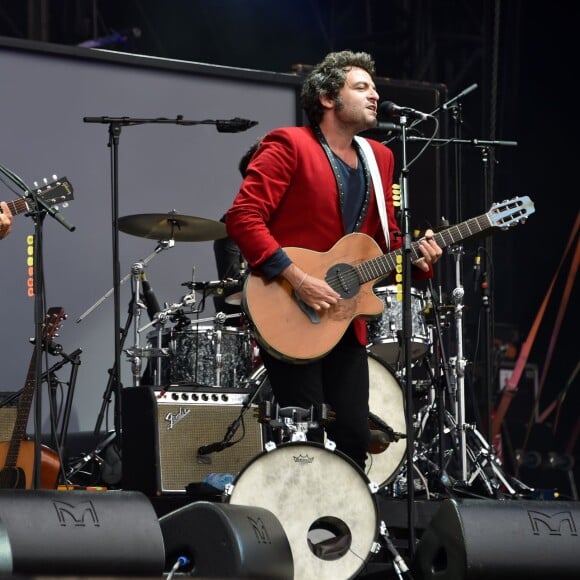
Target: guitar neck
(53, 319)
(21, 421)
(379, 267)
(18, 206)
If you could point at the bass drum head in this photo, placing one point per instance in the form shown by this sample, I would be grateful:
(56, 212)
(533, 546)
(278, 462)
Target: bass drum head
(323, 502)
(387, 401)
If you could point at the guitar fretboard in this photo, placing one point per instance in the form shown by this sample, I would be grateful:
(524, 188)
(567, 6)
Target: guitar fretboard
(382, 265)
(18, 206)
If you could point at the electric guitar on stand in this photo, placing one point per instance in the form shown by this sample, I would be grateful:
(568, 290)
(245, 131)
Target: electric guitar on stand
(291, 330)
(17, 455)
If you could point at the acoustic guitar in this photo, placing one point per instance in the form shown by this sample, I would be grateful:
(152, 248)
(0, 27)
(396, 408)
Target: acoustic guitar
(17, 455)
(290, 330)
(58, 192)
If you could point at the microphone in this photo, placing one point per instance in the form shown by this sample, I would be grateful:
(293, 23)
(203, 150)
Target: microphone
(476, 270)
(212, 285)
(392, 435)
(390, 109)
(382, 127)
(149, 298)
(214, 447)
(235, 125)
(462, 94)
(378, 442)
(225, 443)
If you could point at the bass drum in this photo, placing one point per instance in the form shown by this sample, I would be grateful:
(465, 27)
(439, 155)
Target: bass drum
(323, 502)
(387, 402)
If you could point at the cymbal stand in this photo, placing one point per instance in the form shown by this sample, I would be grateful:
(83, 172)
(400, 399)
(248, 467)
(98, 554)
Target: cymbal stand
(135, 352)
(458, 364)
(161, 245)
(137, 268)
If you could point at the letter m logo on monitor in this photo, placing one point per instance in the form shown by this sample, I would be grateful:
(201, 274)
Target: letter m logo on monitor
(81, 514)
(554, 524)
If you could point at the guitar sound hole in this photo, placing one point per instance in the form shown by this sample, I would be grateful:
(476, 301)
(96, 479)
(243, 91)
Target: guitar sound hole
(343, 278)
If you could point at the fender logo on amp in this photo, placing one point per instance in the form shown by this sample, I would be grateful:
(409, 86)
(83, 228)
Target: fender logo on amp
(173, 418)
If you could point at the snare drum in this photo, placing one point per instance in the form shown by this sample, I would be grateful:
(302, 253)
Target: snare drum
(323, 501)
(211, 355)
(385, 332)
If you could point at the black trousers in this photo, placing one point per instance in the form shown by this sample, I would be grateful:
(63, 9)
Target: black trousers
(341, 380)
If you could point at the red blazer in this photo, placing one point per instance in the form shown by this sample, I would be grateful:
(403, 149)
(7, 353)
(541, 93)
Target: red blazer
(290, 198)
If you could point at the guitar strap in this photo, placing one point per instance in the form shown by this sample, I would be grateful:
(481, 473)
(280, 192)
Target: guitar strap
(377, 184)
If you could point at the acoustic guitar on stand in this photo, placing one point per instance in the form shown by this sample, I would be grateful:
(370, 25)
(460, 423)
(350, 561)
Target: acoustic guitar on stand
(17, 455)
(290, 330)
(58, 192)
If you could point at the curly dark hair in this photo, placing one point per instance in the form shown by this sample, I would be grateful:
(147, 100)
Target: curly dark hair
(328, 77)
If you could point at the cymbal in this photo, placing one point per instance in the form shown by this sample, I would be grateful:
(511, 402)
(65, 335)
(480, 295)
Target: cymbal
(172, 226)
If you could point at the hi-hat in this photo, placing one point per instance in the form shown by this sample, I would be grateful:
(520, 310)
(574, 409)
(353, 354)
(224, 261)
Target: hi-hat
(171, 226)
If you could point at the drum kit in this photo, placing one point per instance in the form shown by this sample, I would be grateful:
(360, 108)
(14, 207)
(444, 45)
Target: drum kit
(217, 352)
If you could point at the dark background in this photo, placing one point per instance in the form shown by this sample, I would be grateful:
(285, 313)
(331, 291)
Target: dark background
(522, 55)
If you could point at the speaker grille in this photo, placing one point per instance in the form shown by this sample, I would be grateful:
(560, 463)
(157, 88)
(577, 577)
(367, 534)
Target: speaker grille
(7, 420)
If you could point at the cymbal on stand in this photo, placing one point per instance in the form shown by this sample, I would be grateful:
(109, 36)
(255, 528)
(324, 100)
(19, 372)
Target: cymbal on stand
(172, 226)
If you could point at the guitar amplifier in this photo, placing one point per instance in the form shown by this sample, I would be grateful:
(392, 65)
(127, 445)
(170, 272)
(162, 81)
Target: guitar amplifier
(163, 430)
(7, 420)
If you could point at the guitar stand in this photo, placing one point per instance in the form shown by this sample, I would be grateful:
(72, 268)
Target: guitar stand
(74, 360)
(95, 455)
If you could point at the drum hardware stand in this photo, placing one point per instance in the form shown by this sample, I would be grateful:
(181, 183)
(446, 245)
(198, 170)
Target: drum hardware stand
(440, 389)
(161, 245)
(479, 454)
(159, 321)
(95, 454)
(399, 564)
(294, 423)
(458, 364)
(134, 306)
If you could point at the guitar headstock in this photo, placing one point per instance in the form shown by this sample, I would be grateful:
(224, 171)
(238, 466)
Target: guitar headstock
(56, 193)
(510, 212)
(52, 322)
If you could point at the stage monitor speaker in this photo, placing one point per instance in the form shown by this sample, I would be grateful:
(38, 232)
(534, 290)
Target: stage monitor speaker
(500, 539)
(227, 541)
(162, 432)
(101, 533)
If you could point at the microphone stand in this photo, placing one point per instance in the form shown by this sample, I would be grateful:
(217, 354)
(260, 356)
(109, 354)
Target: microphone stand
(407, 332)
(231, 430)
(115, 125)
(39, 209)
